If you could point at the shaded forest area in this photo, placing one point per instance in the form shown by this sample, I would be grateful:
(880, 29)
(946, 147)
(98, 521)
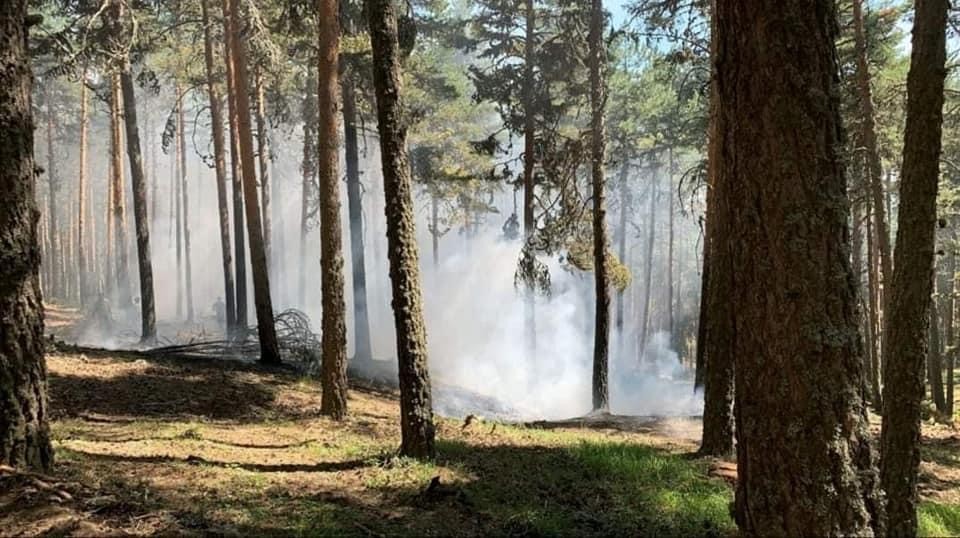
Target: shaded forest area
(479, 267)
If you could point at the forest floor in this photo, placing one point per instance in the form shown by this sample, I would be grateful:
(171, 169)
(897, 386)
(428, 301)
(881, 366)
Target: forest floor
(165, 446)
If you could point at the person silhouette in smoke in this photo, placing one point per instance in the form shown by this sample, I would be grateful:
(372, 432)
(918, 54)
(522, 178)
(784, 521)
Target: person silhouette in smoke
(220, 311)
(511, 228)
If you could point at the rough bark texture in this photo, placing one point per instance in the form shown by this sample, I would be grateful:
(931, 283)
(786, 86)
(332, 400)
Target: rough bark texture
(148, 318)
(715, 355)
(119, 189)
(601, 339)
(216, 116)
(24, 434)
(363, 347)
(912, 283)
(266, 330)
(236, 175)
(804, 460)
(416, 411)
(333, 377)
(263, 159)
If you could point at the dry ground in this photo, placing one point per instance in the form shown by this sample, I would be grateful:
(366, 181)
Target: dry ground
(162, 446)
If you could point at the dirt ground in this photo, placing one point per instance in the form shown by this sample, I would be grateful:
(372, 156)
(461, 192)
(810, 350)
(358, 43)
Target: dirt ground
(162, 446)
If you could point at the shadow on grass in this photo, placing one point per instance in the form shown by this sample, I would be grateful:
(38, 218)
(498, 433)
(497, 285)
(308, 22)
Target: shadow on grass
(320, 467)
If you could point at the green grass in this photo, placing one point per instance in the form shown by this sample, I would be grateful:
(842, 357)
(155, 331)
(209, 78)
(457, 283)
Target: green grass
(939, 519)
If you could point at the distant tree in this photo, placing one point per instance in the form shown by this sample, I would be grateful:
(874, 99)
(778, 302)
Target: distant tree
(416, 412)
(804, 459)
(908, 307)
(334, 331)
(24, 433)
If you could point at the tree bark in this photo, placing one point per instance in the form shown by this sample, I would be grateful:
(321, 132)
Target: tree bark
(670, 240)
(935, 360)
(269, 348)
(363, 347)
(804, 459)
(263, 159)
(622, 249)
(908, 308)
(141, 219)
(24, 433)
(55, 285)
(601, 341)
(416, 411)
(184, 191)
(84, 285)
(868, 135)
(119, 194)
(216, 115)
(648, 263)
(333, 377)
(240, 251)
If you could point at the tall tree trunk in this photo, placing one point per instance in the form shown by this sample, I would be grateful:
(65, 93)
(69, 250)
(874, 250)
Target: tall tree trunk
(24, 433)
(935, 360)
(178, 203)
(185, 193)
(670, 240)
(416, 411)
(119, 195)
(216, 116)
(873, 319)
(529, 162)
(648, 262)
(601, 337)
(309, 170)
(361, 318)
(803, 452)
(715, 338)
(82, 187)
(240, 251)
(141, 219)
(333, 377)
(868, 136)
(904, 349)
(269, 347)
(53, 228)
(951, 334)
(263, 159)
(622, 248)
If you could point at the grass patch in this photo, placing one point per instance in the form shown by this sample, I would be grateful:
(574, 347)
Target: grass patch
(939, 519)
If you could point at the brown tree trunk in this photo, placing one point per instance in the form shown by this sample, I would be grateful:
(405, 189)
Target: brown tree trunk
(119, 198)
(935, 360)
(84, 285)
(648, 262)
(333, 377)
(622, 248)
(240, 251)
(670, 240)
(601, 337)
(309, 170)
(55, 286)
(185, 193)
(803, 453)
(868, 136)
(873, 319)
(263, 159)
(24, 434)
(216, 117)
(363, 347)
(715, 339)
(951, 333)
(141, 219)
(416, 411)
(909, 299)
(269, 347)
